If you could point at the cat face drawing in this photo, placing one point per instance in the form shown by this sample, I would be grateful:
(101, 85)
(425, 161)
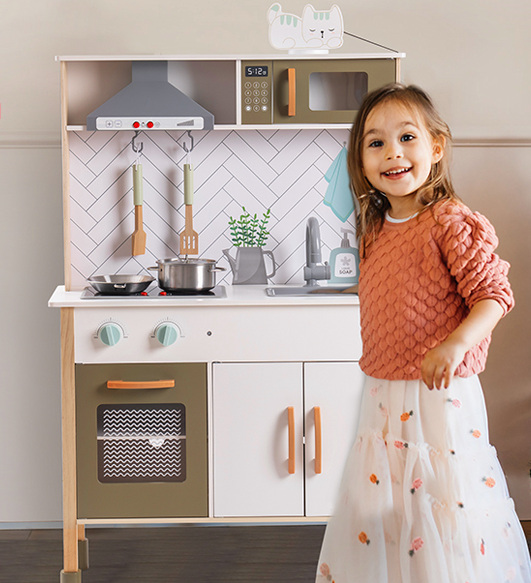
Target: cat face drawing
(315, 30)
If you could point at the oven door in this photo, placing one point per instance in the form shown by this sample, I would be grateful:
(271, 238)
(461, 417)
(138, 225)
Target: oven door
(141, 440)
(326, 91)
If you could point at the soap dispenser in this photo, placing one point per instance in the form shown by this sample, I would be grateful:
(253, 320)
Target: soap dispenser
(344, 262)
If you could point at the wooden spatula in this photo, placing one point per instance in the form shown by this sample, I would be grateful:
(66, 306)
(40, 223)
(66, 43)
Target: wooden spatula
(139, 236)
(189, 239)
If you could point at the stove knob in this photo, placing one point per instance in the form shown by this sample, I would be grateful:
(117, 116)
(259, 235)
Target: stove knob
(167, 334)
(110, 334)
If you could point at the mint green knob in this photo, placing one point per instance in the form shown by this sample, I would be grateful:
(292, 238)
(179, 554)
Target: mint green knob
(110, 334)
(167, 334)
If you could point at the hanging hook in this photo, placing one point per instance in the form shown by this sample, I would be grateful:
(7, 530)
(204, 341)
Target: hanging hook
(136, 149)
(183, 145)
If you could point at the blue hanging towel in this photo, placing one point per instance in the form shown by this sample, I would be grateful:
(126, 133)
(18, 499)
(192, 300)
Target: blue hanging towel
(338, 195)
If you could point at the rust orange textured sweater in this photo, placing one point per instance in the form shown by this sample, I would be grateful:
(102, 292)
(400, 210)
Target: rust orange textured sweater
(419, 280)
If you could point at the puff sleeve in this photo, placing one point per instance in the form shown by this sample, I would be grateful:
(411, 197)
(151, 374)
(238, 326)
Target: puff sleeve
(467, 242)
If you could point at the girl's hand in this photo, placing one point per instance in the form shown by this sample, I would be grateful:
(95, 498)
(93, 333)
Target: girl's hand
(440, 363)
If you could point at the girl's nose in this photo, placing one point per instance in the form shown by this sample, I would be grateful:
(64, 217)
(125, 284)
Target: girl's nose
(393, 151)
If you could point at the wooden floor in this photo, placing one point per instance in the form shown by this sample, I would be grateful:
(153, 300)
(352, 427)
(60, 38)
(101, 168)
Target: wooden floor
(187, 553)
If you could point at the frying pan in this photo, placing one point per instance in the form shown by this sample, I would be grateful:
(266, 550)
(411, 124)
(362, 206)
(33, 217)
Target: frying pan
(120, 285)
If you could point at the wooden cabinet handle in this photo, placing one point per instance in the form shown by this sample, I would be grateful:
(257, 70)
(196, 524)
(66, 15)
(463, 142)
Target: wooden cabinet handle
(141, 384)
(292, 92)
(291, 437)
(318, 441)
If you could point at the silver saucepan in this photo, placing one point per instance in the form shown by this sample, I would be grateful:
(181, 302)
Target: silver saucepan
(120, 284)
(178, 274)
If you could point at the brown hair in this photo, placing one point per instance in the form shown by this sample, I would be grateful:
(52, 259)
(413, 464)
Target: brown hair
(372, 204)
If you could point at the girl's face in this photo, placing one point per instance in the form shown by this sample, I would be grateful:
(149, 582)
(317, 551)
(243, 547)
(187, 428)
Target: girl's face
(397, 153)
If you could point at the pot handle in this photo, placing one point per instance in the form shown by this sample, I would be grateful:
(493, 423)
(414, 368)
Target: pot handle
(120, 285)
(152, 268)
(219, 269)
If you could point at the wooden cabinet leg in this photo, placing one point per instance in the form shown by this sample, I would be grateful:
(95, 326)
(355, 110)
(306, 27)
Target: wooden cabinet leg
(82, 548)
(70, 577)
(68, 415)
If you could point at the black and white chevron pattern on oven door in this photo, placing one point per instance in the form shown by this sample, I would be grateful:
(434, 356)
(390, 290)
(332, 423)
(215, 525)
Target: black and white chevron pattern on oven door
(278, 169)
(141, 443)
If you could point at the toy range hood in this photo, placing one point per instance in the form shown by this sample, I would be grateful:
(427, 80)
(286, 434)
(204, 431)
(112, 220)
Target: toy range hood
(150, 102)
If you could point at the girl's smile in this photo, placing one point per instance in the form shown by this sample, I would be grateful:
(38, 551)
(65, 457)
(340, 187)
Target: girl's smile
(397, 155)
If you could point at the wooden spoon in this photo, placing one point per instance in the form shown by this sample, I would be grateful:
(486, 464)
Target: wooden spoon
(139, 235)
(189, 239)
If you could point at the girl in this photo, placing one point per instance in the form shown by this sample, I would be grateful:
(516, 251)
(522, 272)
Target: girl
(423, 498)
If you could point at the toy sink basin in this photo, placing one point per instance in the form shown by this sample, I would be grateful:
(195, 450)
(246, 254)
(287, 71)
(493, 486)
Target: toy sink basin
(293, 291)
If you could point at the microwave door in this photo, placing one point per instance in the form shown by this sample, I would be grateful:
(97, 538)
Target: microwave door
(323, 91)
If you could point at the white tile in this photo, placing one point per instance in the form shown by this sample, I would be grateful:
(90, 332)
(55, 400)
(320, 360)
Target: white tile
(292, 150)
(80, 171)
(82, 219)
(244, 198)
(80, 194)
(210, 165)
(82, 264)
(113, 219)
(328, 144)
(258, 143)
(341, 136)
(295, 187)
(80, 148)
(281, 138)
(209, 189)
(323, 163)
(249, 180)
(250, 158)
(98, 140)
(116, 178)
(84, 243)
(302, 208)
(298, 168)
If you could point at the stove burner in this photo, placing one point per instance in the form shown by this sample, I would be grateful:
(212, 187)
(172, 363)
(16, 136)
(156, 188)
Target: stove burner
(90, 293)
(207, 293)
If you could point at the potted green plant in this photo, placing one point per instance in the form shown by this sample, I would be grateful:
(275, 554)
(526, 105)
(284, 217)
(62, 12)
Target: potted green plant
(249, 235)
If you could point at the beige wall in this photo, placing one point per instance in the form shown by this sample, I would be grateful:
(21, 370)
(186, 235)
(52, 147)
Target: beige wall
(473, 56)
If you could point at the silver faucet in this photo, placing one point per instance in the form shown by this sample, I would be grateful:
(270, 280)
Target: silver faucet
(313, 270)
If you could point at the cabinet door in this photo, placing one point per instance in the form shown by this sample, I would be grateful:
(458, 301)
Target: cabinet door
(335, 388)
(251, 439)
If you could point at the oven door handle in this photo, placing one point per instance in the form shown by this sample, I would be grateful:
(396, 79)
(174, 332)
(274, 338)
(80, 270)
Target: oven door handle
(141, 384)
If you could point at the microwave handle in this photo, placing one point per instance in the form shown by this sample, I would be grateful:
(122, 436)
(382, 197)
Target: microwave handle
(291, 92)
(141, 384)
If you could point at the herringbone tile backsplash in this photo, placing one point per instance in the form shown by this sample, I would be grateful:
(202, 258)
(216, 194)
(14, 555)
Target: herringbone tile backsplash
(278, 169)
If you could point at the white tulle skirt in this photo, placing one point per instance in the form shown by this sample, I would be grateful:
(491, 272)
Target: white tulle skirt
(423, 497)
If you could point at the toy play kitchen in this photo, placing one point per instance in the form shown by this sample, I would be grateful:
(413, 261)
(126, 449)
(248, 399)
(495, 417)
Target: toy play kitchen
(185, 398)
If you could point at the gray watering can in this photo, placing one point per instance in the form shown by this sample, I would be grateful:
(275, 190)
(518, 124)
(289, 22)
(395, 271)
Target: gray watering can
(249, 265)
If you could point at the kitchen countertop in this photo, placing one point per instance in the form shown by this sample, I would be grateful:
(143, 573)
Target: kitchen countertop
(237, 295)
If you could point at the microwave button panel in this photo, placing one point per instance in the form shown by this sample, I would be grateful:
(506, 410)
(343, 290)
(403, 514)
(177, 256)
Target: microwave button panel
(257, 92)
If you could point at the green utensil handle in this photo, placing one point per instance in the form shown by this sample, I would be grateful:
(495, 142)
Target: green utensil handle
(188, 184)
(138, 194)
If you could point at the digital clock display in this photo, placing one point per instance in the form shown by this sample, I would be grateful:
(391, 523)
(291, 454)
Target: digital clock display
(256, 71)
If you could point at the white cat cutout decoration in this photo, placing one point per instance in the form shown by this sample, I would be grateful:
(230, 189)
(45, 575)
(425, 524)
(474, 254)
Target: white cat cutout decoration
(316, 31)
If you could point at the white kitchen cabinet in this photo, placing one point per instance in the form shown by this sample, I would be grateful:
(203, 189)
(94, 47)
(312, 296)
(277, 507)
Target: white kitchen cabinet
(251, 436)
(334, 387)
(251, 439)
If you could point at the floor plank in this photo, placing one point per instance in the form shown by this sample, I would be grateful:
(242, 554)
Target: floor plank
(174, 554)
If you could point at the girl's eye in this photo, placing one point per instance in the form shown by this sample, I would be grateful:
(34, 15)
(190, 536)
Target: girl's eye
(376, 144)
(407, 137)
